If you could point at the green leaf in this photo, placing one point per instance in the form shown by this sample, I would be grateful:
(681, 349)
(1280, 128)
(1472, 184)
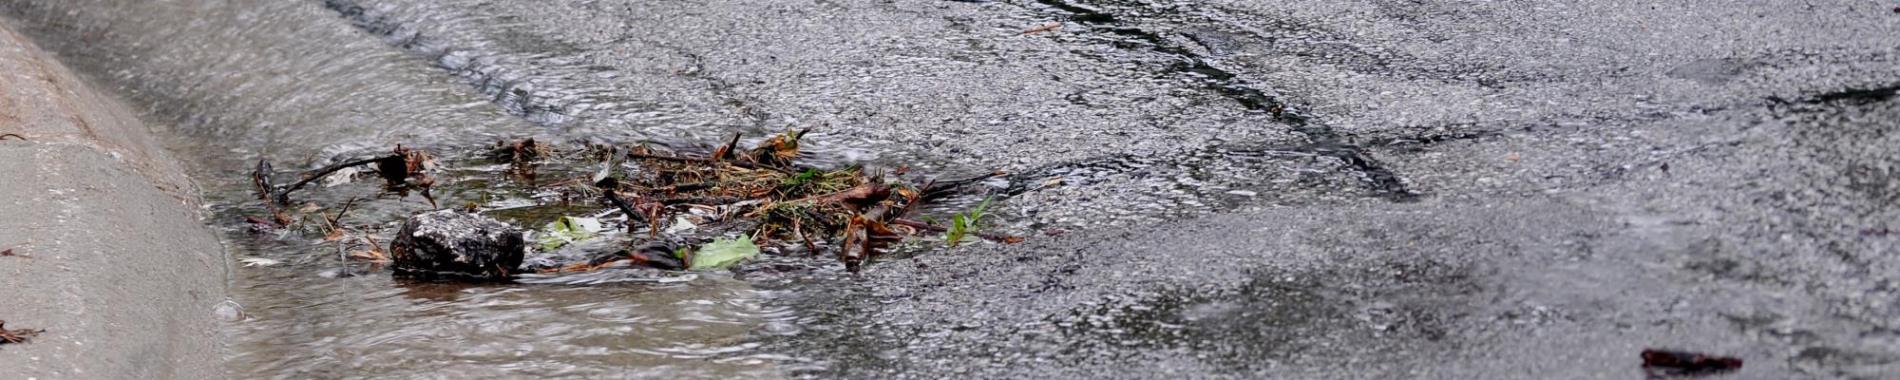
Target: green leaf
(723, 253)
(962, 224)
(566, 230)
(959, 225)
(977, 213)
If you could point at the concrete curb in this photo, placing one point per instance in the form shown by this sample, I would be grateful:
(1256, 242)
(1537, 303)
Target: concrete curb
(110, 255)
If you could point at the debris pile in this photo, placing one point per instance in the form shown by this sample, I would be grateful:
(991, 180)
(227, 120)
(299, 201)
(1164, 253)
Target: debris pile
(659, 209)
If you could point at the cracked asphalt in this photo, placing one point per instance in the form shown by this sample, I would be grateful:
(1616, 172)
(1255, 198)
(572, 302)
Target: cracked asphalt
(1241, 189)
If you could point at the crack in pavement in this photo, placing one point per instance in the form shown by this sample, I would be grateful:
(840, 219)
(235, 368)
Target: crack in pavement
(1324, 139)
(520, 100)
(1853, 95)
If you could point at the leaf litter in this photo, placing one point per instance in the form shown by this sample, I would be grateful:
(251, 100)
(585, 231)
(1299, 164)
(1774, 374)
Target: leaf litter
(605, 206)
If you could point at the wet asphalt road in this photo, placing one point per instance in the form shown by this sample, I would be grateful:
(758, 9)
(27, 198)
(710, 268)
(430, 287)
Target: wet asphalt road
(1301, 189)
(1453, 190)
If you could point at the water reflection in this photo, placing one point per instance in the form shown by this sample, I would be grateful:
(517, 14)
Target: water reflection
(301, 325)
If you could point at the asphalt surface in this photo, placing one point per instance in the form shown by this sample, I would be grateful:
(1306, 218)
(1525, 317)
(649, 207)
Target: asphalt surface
(1305, 189)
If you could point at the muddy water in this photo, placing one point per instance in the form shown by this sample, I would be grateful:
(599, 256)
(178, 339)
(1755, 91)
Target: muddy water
(291, 81)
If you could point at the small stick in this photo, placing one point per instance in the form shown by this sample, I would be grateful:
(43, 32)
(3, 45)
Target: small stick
(1000, 238)
(282, 196)
(1043, 28)
(13, 135)
(16, 336)
(613, 198)
(918, 224)
(260, 179)
(696, 186)
(810, 247)
(690, 160)
(725, 152)
(935, 190)
(608, 190)
(337, 222)
(710, 201)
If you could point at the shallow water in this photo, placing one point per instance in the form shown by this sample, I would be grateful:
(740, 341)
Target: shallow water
(303, 83)
(293, 83)
(311, 311)
(301, 325)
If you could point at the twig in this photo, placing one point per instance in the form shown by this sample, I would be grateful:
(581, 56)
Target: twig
(13, 135)
(936, 190)
(725, 152)
(690, 160)
(613, 198)
(282, 196)
(810, 248)
(710, 201)
(260, 179)
(1000, 238)
(687, 187)
(16, 336)
(705, 161)
(1042, 28)
(337, 222)
(918, 224)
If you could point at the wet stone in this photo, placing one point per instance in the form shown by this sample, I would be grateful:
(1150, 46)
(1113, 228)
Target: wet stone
(455, 245)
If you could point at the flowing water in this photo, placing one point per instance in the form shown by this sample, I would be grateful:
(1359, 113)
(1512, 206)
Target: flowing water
(305, 83)
(294, 83)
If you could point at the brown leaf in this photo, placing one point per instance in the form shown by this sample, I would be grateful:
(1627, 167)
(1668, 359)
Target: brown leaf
(16, 336)
(368, 256)
(374, 253)
(779, 150)
(523, 151)
(261, 223)
(1043, 28)
(861, 196)
(864, 237)
(725, 151)
(426, 182)
(282, 218)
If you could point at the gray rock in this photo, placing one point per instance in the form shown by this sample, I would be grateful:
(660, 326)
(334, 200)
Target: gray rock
(452, 244)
